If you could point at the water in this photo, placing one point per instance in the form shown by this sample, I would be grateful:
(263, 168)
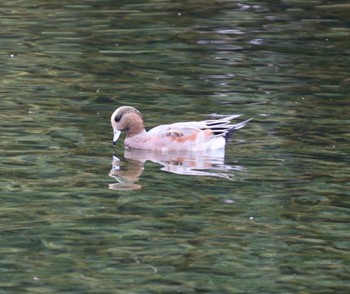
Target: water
(269, 216)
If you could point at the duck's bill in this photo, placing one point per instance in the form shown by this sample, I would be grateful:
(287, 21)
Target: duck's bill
(116, 134)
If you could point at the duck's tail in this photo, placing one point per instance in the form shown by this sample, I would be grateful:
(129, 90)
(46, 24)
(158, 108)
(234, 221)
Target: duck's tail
(234, 128)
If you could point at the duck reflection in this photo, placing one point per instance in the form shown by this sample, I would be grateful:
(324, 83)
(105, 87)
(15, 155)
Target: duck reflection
(207, 163)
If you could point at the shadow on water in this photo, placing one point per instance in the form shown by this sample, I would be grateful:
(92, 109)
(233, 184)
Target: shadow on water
(127, 172)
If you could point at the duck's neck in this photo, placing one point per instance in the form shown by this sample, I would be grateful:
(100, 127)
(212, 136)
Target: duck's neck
(134, 125)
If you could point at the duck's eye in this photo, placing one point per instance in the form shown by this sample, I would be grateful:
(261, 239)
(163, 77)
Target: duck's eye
(117, 118)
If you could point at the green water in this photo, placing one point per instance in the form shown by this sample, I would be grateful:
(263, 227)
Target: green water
(271, 216)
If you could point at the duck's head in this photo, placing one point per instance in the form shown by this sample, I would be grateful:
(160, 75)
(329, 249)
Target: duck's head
(126, 118)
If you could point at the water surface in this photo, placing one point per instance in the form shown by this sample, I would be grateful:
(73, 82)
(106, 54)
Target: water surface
(277, 222)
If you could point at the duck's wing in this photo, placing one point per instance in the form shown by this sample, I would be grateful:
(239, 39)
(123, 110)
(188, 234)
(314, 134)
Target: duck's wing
(176, 129)
(218, 127)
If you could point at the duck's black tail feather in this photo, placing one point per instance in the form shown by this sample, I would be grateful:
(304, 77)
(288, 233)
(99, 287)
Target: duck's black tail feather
(234, 128)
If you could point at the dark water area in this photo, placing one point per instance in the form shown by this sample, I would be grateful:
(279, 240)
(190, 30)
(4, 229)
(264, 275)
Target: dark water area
(79, 215)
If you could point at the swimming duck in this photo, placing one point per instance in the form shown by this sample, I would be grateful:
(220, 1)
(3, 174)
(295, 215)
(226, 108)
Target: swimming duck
(191, 136)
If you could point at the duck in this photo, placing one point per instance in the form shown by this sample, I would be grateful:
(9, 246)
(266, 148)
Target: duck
(180, 136)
